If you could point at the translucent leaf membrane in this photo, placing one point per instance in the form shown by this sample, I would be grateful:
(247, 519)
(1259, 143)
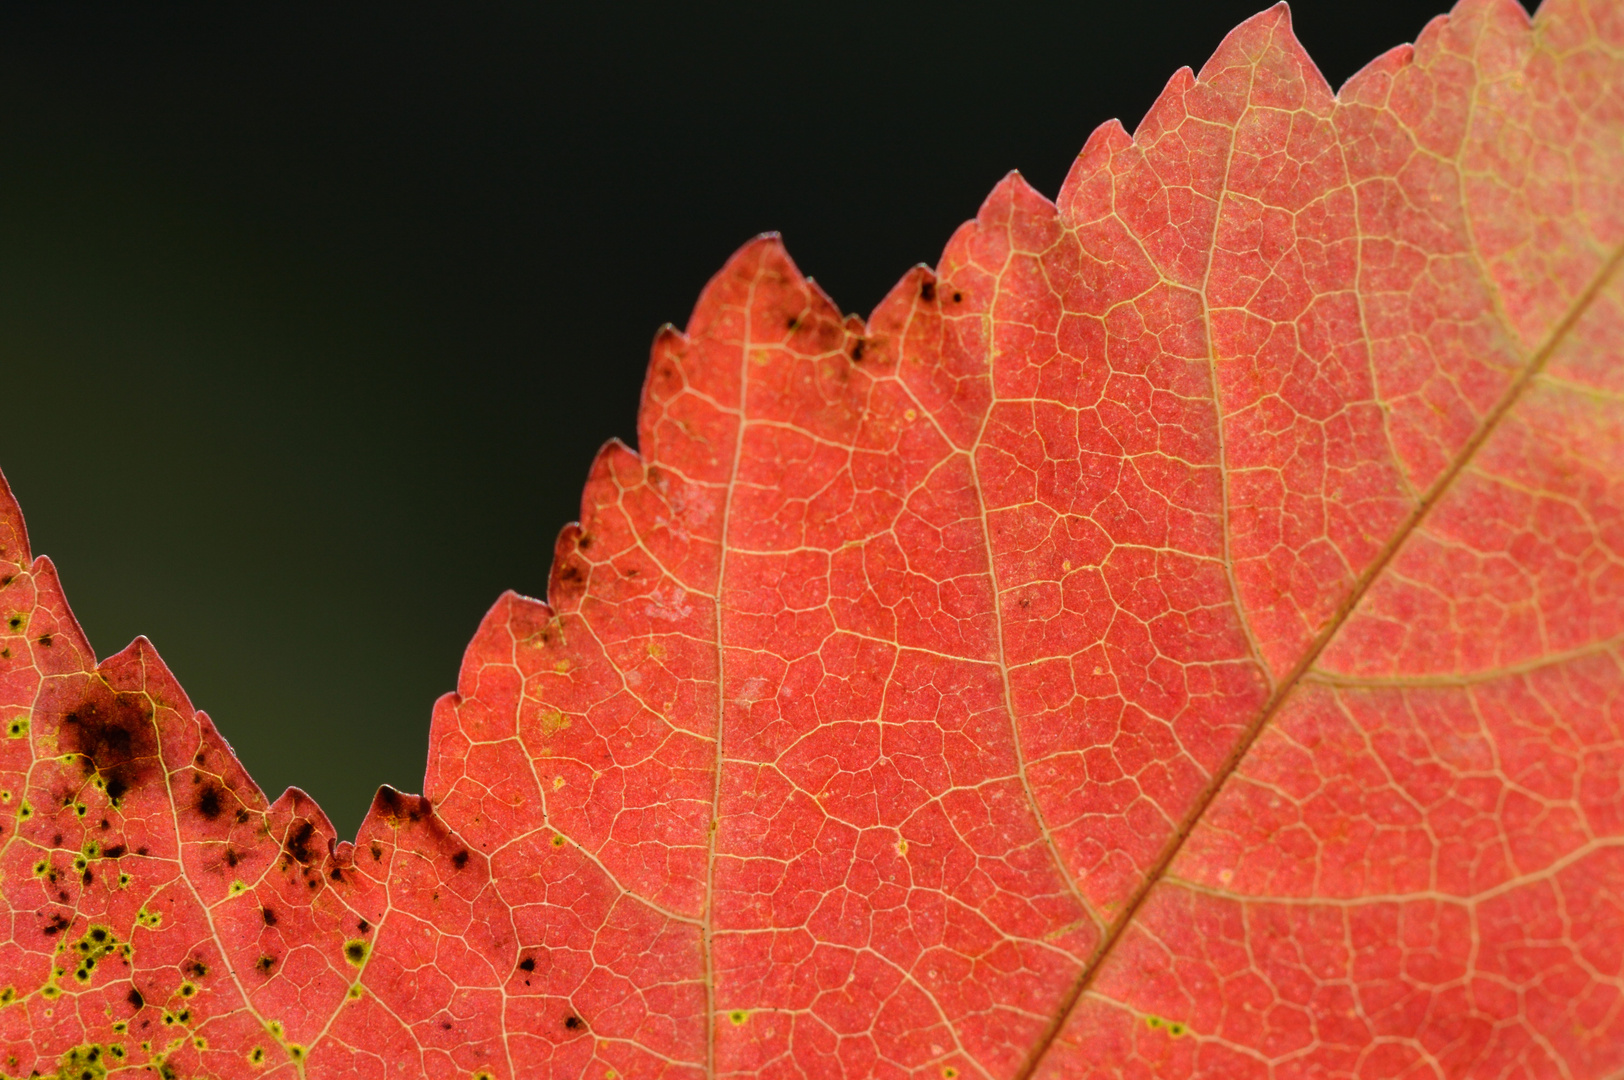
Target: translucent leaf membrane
(1176, 637)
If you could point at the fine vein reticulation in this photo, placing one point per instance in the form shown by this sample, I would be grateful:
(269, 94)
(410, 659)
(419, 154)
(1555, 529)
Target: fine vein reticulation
(1178, 636)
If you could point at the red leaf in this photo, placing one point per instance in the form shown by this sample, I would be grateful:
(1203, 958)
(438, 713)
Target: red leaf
(1177, 637)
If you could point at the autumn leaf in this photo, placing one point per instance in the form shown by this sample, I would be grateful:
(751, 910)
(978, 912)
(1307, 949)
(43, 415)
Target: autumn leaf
(1178, 636)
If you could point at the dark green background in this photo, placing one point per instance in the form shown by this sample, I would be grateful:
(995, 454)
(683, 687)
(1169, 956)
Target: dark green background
(311, 320)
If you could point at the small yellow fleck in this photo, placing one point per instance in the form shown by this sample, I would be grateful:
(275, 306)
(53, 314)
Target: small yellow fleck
(120, 1027)
(355, 951)
(1176, 1029)
(552, 722)
(558, 782)
(558, 840)
(68, 759)
(18, 727)
(910, 415)
(201, 1043)
(256, 1056)
(562, 666)
(738, 1017)
(949, 1072)
(275, 1028)
(1065, 564)
(354, 993)
(25, 811)
(51, 993)
(902, 847)
(238, 887)
(295, 1051)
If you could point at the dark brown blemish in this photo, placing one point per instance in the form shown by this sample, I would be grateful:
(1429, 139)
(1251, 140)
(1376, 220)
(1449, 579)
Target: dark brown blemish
(958, 298)
(573, 1022)
(113, 735)
(297, 845)
(584, 542)
(195, 968)
(232, 858)
(363, 926)
(113, 852)
(209, 803)
(134, 998)
(377, 852)
(45, 640)
(927, 291)
(265, 963)
(857, 351)
(242, 817)
(55, 926)
(460, 859)
(336, 874)
(268, 915)
(527, 964)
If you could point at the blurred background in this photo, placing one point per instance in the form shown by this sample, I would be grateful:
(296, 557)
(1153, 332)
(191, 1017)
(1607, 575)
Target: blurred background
(312, 317)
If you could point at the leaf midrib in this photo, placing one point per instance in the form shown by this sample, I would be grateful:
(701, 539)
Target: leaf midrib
(1283, 689)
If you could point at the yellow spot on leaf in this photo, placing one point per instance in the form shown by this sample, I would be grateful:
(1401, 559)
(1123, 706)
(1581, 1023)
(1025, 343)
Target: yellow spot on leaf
(552, 722)
(738, 1017)
(82, 1063)
(355, 951)
(18, 727)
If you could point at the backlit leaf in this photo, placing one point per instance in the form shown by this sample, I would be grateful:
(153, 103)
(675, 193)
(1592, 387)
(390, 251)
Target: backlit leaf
(1177, 636)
